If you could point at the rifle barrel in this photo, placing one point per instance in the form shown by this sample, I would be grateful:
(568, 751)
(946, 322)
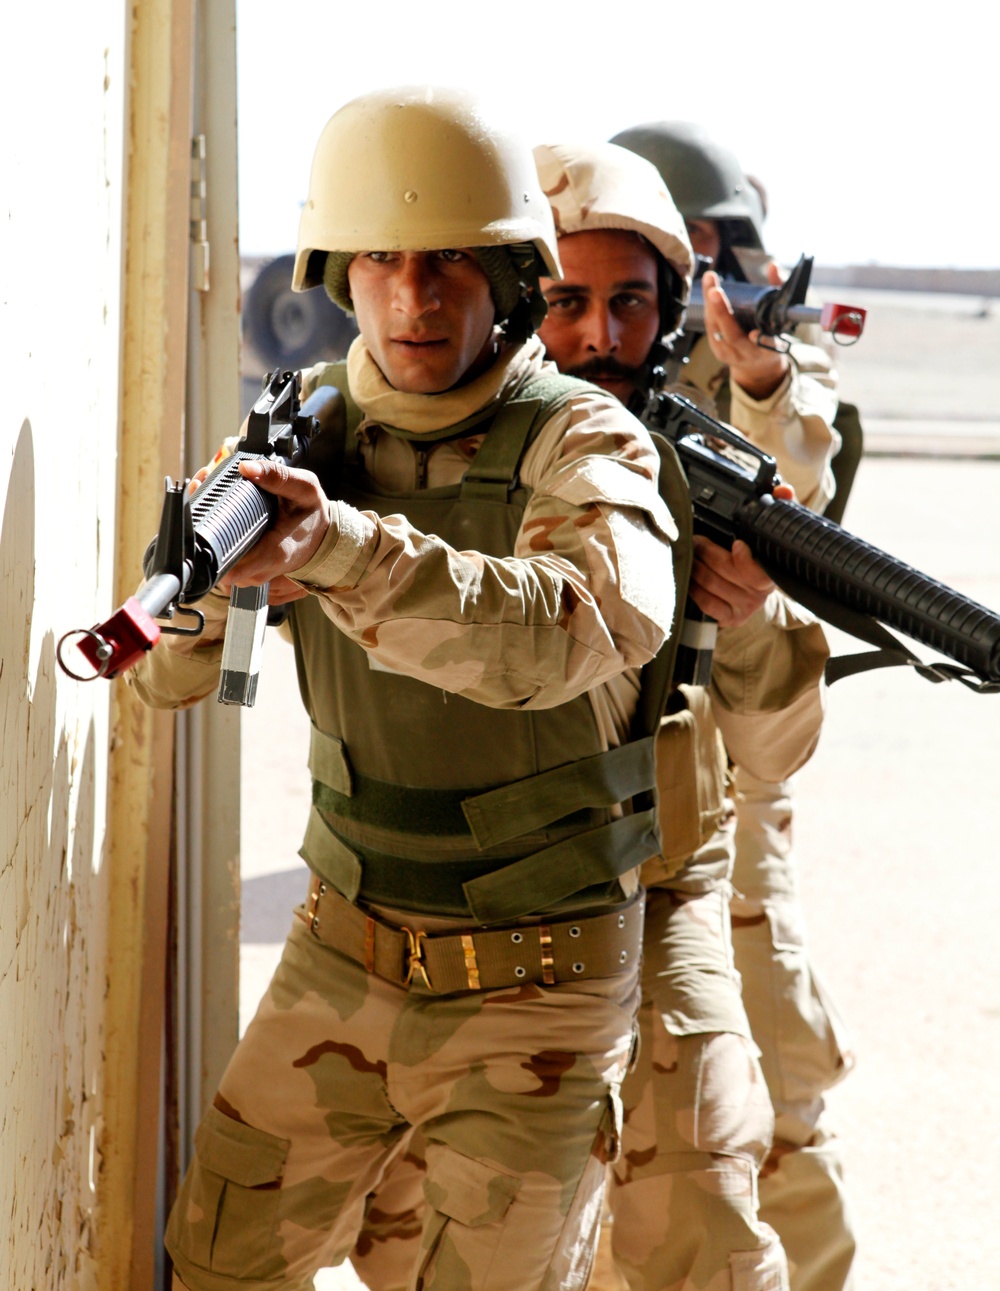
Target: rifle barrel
(787, 539)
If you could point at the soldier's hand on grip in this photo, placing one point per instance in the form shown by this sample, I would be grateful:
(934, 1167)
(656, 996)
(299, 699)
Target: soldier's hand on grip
(294, 538)
(757, 369)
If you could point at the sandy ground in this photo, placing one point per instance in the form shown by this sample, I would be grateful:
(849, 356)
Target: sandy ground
(898, 852)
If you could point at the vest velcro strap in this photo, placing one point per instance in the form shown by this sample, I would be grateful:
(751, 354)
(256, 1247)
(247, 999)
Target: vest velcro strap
(493, 471)
(328, 762)
(540, 880)
(325, 854)
(598, 781)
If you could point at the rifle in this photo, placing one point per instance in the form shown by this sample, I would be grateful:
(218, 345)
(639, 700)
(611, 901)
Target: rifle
(775, 311)
(841, 578)
(202, 535)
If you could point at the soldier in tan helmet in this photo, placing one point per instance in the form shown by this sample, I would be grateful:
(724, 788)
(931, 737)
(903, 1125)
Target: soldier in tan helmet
(474, 595)
(698, 1120)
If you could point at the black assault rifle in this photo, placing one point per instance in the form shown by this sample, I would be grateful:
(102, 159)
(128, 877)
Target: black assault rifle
(202, 535)
(841, 578)
(775, 311)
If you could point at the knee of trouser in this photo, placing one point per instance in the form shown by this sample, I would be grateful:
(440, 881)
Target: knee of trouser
(803, 1194)
(729, 1111)
(805, 1048)
(699, 1229)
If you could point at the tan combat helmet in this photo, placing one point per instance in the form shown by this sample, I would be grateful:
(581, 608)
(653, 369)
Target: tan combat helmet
(601, 186)
(425, 169)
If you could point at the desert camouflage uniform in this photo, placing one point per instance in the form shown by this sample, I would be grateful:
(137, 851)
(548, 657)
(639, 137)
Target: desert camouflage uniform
(803, 1043)
(683, 1202)
(696, 1116)
(682, 1209)
(515, 1089)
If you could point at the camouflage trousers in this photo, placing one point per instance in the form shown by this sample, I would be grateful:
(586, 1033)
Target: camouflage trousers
(682, 1204)
(514, 1090)
(804, 1049)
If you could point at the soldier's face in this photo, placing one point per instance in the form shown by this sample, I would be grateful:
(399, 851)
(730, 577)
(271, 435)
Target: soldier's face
(426, 316)
(705, 238)
(605, 315)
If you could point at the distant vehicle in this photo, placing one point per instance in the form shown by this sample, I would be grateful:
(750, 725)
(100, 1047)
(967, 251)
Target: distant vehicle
(288, 329)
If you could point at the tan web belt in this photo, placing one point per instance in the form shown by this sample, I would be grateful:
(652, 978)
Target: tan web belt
(484, 960)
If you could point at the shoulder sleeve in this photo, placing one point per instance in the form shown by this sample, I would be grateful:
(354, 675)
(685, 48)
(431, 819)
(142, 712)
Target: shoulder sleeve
(180, 670)
(767, 688)
(795, 424)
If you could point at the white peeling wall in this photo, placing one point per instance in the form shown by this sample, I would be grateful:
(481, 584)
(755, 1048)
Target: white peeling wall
(62, 97)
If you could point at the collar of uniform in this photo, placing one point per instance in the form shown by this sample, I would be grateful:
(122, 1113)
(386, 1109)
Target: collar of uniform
(426, 414)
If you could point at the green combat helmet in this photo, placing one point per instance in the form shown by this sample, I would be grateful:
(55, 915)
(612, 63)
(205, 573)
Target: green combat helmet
(705, 180)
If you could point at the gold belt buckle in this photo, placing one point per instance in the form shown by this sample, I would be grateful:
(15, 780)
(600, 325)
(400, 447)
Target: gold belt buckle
(317, 890)
(415, 957)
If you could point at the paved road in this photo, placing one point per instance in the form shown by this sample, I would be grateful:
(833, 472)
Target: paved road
(901, 873)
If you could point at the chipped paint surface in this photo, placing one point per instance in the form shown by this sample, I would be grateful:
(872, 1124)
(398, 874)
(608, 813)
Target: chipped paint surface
(58, 448)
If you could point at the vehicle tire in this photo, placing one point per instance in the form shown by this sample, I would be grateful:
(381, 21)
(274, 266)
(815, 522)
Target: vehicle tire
(290, 329)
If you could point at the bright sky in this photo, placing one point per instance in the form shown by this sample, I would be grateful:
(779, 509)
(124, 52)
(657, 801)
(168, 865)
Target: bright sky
(874, 126)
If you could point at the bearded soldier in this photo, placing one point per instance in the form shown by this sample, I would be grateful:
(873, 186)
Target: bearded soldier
(785, 403)
(698, 1118)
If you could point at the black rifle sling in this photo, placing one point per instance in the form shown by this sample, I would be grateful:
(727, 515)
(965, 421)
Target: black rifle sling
(889, 651)
(845, 464)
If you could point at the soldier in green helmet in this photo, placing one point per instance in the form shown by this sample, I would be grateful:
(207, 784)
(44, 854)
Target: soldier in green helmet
(804, 1048)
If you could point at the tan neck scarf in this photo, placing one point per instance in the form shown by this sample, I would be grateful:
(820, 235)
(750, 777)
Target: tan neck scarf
(427, 413)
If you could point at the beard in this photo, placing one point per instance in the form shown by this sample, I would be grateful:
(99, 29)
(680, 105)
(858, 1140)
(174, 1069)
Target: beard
(594, 369)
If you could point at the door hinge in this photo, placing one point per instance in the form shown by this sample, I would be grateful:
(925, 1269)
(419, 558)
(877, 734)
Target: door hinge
(199, 220)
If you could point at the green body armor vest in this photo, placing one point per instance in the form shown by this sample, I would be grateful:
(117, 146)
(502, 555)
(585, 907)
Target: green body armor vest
(428, 801)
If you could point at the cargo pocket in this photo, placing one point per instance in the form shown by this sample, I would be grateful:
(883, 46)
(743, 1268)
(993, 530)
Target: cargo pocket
(463, 1194)
(225, 1218)
(690, 777)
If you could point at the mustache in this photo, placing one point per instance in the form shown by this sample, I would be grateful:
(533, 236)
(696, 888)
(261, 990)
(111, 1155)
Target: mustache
(609, 367)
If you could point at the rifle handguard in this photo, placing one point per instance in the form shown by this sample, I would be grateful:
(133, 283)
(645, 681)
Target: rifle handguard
(790, 541)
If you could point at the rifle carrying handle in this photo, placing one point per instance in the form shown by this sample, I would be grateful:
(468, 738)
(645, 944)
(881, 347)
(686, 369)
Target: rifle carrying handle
(787, 539)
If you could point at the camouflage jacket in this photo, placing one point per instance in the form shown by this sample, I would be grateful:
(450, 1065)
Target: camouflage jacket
(584, 600)
(794, 424)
